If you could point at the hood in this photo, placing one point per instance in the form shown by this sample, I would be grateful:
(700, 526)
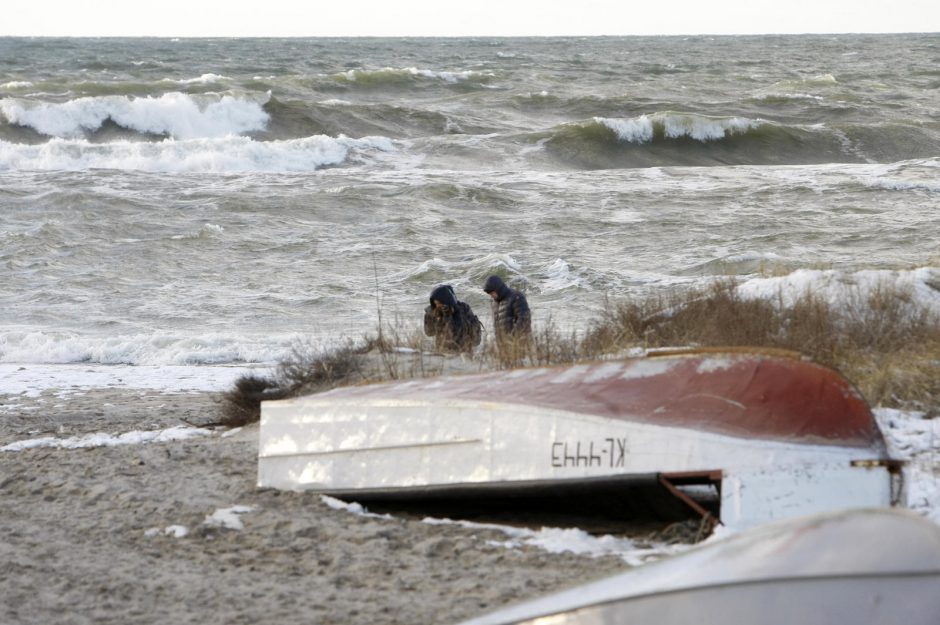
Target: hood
(445, 295)
(495, 283)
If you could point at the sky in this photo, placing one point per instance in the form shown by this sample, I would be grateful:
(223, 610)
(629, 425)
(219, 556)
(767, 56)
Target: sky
(353, 18)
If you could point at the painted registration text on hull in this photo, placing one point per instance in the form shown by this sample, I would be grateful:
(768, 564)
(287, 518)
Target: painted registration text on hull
(610, 452)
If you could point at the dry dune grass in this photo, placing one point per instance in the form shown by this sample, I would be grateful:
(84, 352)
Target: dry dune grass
(881, 340)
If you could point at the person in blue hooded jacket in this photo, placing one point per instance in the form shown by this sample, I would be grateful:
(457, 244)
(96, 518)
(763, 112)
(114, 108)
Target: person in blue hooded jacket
(511, 317)
(451, 322)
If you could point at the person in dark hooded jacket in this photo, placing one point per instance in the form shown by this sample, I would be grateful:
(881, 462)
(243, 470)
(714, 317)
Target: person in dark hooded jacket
(451, 322)
(511, 316)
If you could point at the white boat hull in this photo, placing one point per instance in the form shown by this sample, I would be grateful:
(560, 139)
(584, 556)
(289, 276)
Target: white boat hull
(401, 439)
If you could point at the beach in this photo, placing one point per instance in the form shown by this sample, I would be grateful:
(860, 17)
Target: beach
(149, 533)
(178, 212)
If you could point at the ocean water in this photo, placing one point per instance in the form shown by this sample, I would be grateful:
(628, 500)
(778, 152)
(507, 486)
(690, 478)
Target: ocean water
(212, 202)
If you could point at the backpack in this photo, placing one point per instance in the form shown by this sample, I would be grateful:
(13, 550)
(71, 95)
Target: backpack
(472, 327)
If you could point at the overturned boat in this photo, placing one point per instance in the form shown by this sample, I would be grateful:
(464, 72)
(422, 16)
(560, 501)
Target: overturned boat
(739, 436)
(865, 567)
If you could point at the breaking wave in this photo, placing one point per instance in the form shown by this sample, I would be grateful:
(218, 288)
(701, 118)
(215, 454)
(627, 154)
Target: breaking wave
(559, 276)
(185, 116)
(175, 115)
(677, 126)
(688, 139)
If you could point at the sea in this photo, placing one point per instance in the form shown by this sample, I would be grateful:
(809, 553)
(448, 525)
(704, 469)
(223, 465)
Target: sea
(205, 205)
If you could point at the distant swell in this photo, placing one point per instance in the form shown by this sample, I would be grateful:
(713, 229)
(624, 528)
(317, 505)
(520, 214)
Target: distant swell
(687, 139)
(410, 77)
(296, 118)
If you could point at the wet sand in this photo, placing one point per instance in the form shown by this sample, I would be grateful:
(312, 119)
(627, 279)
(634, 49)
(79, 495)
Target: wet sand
(87, 535)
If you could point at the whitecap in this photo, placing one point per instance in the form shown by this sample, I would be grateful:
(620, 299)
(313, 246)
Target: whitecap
(889, 184)
(636, 130)
(703, 128)
(559, 276)
(205, 79)
(676, 126)
(451, 77)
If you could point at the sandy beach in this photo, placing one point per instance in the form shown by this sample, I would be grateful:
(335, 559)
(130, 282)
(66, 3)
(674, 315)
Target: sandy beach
(128, 505)
(144, 533)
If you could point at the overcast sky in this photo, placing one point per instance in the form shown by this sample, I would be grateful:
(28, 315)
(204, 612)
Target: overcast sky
(289, 18)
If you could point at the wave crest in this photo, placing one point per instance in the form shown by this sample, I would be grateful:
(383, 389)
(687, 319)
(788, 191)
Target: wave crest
(645, 128)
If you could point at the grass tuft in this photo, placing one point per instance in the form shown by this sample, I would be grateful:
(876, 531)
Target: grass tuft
(305, 371)
(241, 405)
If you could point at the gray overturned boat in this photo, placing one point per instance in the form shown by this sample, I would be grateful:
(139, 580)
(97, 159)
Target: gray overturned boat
(747, 436)
(863, 567)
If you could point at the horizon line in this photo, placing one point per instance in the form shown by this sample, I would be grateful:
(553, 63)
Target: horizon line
(468, 36)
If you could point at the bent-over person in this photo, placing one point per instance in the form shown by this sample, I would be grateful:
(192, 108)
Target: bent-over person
(451, 322)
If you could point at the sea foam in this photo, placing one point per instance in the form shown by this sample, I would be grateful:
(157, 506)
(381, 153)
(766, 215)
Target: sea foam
(158, 348)
(23, 382)
(216, 155)
(890, 184)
